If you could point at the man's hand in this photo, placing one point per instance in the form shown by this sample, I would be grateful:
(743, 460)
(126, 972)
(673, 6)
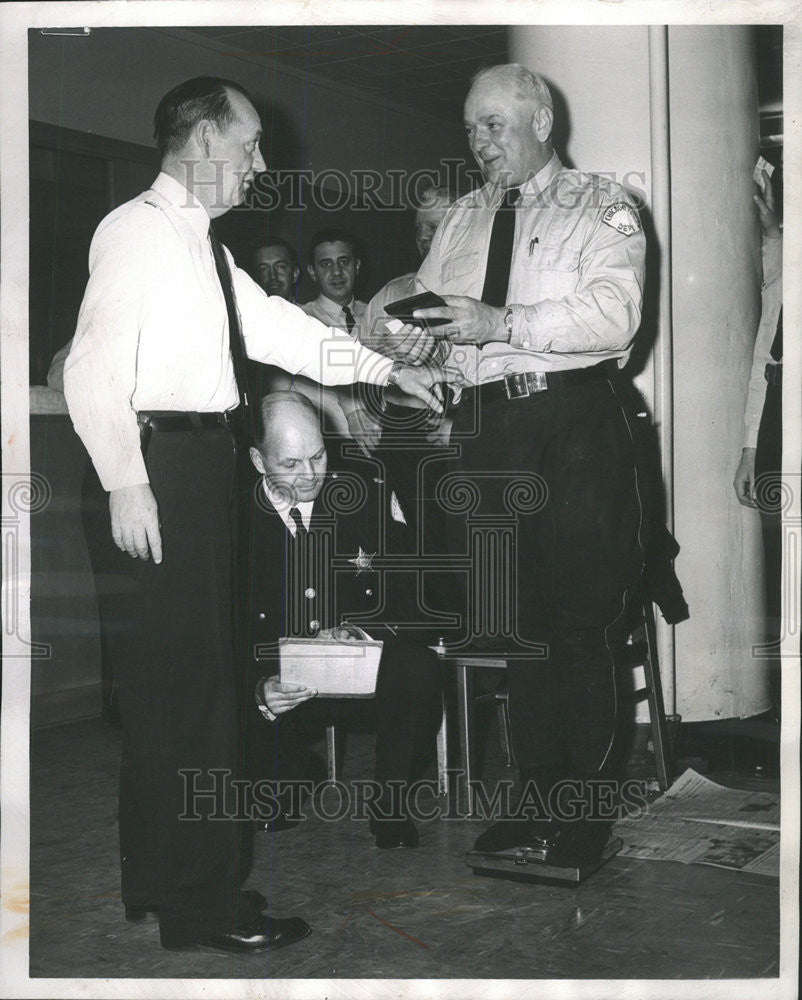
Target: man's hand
(440, 433)
(769, 225)
(744, 481)
(135, 521)
(469, 320)
(411, 344)
(364, 429)
(281, 698)
(423, 382)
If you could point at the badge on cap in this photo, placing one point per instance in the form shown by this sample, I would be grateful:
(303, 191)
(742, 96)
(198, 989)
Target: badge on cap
(623, 218)
(396, 512)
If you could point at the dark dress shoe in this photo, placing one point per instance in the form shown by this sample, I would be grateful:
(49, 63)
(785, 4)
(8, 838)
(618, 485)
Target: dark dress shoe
(508, 833)
(284, 821)
(394, 833)
(135, 913)
(257, 935)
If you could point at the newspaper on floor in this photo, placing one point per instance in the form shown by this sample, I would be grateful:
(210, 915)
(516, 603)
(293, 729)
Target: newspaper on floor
(700, 822)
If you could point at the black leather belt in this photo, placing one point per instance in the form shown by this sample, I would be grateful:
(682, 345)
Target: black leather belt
(181, 420)
(774, 374)
(524, 384)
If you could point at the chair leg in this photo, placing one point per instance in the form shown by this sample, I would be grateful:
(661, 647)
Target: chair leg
(505, 733)
(331, 753)
(654, 693)
(442, 754)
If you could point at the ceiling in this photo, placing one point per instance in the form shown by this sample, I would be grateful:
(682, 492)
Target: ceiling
(425, 67)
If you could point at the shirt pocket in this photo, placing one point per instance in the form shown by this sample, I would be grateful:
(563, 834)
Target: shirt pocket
(552, 271)
(459, 266)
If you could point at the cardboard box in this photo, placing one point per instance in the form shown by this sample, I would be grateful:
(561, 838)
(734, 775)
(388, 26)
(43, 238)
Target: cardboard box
(335, 669)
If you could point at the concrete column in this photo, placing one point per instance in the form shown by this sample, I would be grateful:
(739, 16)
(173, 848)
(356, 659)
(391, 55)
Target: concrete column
(601, 79)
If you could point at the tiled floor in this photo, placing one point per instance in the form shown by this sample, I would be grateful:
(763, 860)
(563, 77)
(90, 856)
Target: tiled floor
(401, 914)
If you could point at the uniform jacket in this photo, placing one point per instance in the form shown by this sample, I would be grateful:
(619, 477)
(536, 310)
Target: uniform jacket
(357, 565)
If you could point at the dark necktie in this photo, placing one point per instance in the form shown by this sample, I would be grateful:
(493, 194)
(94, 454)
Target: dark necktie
(300, 529)
(499, 253)
(349, 319)
(777, 344)
(235, 340)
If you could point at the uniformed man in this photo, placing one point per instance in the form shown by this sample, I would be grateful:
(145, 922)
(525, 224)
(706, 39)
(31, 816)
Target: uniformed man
(542, 272)
(319, 550)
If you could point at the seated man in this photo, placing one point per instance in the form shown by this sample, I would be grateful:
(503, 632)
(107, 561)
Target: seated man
(320, 550)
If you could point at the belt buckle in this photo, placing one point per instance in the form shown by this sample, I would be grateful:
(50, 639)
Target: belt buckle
(516, 386)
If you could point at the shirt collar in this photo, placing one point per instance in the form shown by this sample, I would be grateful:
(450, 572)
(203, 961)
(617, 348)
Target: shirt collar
(332, 308)
(540, 181)
(282, 508)
(183, 201)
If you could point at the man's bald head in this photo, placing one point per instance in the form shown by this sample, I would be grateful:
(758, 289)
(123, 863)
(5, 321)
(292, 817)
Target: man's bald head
(290, 452)
(508, 120)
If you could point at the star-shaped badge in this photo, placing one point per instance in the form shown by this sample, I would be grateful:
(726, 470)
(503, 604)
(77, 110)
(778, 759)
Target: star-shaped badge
(362, 560)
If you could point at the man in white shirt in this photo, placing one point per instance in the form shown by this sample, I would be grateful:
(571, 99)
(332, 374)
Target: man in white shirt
(334, 267)
(155, 389)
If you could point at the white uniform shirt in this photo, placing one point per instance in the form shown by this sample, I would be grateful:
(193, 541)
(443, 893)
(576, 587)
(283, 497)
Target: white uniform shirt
(152, 331)
(576, 280)
(771, 300)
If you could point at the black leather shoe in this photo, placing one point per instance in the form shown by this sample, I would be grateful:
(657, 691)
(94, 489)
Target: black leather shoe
(508, 833)
(284, 821)
(135, 913)
(394, 833)
(257, 935)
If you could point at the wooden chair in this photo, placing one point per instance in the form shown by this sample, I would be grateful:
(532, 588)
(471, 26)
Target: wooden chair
(640, 650)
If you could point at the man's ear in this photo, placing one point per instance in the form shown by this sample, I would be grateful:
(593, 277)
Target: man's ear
(357, 265)
(296, 274)
(204, 135)
(311, 272)
(542, 122)
(258, 461)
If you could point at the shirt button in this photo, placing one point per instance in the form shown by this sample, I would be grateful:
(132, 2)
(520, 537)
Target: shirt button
(261, 616)
(309, 593)
(369, 592)
(494, 364)
(314, 625)
(526, 343)
(334, 475)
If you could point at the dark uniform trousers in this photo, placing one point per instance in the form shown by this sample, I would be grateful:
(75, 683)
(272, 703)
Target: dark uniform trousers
(577, 555)
(294, 586)
(169, 629)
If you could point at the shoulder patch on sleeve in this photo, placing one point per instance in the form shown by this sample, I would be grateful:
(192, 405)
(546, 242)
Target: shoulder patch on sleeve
(622, 217)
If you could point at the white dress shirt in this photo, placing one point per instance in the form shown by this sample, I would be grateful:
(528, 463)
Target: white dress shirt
(152, 331)
(576, 281)
(330, 313)
(771, 299)
(282, 507)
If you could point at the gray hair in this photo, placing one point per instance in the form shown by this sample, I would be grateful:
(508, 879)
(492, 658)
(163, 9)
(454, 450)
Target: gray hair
(529, 86)
(434, 197)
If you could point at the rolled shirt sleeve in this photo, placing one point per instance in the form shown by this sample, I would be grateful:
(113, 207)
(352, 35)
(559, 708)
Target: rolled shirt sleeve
(771, 297)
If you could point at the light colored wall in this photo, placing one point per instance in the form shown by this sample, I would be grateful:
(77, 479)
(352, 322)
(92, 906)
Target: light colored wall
(602, 73)
(111, 81)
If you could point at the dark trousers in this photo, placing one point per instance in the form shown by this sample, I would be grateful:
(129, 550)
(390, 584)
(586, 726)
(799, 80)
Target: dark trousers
(552, 479)
(169, 629)
(768, 472)
(406, 710)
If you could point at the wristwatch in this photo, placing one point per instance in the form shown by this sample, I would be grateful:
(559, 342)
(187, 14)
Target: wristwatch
(392, 378)
(508, 323)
